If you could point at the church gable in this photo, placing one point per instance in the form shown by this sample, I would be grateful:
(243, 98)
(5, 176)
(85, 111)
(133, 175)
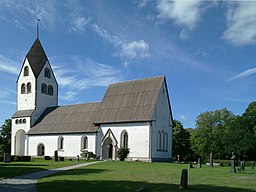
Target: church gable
(131, 101)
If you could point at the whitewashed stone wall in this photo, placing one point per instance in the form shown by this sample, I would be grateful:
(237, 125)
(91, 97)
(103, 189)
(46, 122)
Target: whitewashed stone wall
(162, 124)
(138, 138)
(72, 144)
(16, 146)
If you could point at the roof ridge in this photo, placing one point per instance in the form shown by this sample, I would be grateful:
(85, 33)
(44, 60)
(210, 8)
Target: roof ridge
(135, 80)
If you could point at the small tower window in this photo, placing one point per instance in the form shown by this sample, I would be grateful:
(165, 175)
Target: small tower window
(26, 71)
(24, 121)
(20, 121)
(16, 121)
(29, 88)
(50, 90)
(23, 89)
(47, 73)
(44, 88)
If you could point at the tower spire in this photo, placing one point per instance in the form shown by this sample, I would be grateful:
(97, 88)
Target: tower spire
(37, 28)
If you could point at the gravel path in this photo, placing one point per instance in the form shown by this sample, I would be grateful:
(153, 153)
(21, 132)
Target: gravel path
(28, 182)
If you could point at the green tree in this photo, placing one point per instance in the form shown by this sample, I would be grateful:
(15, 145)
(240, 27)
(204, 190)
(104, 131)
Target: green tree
(180, 141)
(208, 137)
(5, 136)
(241, 134)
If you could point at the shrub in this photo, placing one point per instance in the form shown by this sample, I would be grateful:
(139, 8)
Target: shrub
(123, 153)
(88, 154)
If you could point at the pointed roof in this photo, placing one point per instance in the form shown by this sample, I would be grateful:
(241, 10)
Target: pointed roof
(37, 57)
(130, 101)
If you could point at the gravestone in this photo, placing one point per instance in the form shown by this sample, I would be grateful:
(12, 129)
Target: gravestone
(7, 158)
(243, 165)
(184, 179)
(233, 166)
(56, 155)
(190, 164)
(211, 160)
(199, 163)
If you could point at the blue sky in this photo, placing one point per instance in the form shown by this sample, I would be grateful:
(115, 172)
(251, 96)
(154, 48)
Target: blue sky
(206, 49)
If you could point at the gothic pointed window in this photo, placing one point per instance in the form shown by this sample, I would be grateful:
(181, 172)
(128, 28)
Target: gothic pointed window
(29, 88)
(159, 140)
(23, 89)
(166, 142)
(26, 71)
(60, 143)
(47, 73)
(124, 139)
(84, 143)
(44, 88)
(50, 90)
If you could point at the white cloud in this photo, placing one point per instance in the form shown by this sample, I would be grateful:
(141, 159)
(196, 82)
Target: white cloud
(127, 51)
(244, 74)
(134, 49)
(5, 96)
(143, 3)
(116, 41)
(181, 117)
(85, 74)
(8, 65)
(68, 96)
(184, 13)
(77, 17)
(241, 23)
(30, 11)
(79, 23)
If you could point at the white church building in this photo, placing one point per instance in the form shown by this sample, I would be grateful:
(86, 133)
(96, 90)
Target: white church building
(134, 114)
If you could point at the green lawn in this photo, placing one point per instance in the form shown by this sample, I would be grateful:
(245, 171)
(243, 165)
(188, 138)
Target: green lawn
(38, 164)
(129, 176)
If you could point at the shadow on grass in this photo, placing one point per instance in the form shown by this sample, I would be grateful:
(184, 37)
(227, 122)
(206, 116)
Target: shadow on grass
(12, 170)
(108, 185)
(21, 165)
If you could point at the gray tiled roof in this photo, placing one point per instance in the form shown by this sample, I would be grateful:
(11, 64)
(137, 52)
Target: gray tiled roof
(23, 113)
(66, 119)
(37, 57)
(130, 101)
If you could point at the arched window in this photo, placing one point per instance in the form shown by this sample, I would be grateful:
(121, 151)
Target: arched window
(60, 143)
(124, 139)
(20, 121)
(29, 88)
(23, 89)
(16, 121)
(24, 121)
(44, 88)
(163, 141)
(47, 73)
(159, 140)
(84, 143)
(166, 142)
(26, 71)
(50, 90)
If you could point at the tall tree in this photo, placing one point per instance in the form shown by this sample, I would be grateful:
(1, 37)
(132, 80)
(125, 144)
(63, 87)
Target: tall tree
(180, 141)
(241, 136)
(208, 136)
(5, 136)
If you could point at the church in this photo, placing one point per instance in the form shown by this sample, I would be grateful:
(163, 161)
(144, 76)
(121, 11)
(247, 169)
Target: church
(135, 114)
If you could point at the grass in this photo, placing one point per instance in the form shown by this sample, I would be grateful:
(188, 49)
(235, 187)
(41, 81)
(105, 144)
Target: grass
(130, 176)
(37, 164)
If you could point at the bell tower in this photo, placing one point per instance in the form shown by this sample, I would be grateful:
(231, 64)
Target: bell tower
(37, 87)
